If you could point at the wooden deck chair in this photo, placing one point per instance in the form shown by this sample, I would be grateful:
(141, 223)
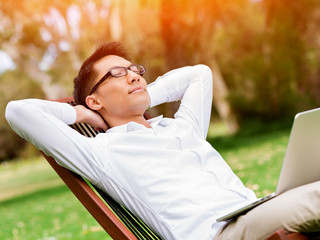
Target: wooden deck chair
(114, 218)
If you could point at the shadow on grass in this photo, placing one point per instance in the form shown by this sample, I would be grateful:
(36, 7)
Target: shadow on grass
(36, 195)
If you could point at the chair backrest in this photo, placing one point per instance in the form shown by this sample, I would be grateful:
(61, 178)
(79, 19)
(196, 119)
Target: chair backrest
(119, 222)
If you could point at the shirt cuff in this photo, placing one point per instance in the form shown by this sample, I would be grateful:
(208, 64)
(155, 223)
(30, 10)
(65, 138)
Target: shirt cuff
(69, 114)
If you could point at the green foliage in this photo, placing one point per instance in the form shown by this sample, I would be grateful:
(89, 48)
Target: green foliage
(14, 86)
(267, 51)
(263, 57)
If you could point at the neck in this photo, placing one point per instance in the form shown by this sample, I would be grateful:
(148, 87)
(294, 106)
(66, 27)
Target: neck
(117, 121)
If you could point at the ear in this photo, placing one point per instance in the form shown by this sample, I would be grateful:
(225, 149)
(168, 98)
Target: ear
(93, 103)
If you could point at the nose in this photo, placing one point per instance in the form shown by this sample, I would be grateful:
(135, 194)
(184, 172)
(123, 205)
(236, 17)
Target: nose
(132, 77)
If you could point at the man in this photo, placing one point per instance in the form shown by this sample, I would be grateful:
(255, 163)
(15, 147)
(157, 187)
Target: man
(162, 169)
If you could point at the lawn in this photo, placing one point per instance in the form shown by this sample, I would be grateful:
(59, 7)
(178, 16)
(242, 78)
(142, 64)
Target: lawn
(35, 204)
(255, 154)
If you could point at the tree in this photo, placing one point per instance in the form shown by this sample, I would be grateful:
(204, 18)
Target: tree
(188, 29)
(47, 42)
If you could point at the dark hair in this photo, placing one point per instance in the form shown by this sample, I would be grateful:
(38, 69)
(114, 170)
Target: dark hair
(87, 74)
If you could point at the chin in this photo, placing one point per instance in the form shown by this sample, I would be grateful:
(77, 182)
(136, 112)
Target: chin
(139, 109)
(143, 101)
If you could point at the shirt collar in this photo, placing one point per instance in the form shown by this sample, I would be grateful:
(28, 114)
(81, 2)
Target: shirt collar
(155, 121)
(133, 126)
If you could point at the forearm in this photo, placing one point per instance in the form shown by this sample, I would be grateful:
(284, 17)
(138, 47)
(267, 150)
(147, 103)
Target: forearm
(85, 115)
(191, 85)
(173, 85)
(45, 125)
(24, 114)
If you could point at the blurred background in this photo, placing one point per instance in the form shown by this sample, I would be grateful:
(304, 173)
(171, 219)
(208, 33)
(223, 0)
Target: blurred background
(264, 54)
(265, 57)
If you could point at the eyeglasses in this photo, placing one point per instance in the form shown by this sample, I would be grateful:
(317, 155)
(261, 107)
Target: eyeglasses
(119, 72)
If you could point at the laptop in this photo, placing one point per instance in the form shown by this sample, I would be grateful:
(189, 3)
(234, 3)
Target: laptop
(301, 162)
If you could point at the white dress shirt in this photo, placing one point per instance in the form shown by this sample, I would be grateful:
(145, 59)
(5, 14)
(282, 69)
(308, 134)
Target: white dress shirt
(168, 175)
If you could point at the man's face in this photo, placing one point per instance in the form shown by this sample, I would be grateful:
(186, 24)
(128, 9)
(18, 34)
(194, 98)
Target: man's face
(120, 96)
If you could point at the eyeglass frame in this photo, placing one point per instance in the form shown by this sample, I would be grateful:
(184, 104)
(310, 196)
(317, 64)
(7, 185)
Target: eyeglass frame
(108, 74)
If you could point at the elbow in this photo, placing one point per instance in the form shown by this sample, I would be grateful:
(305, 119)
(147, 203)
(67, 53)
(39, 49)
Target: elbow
(11, 110)
(14, 111)
(205, 74)
(203, 67)
(204, 71)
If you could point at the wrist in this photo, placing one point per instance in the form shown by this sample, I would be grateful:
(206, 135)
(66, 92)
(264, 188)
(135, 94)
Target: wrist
(80, 113)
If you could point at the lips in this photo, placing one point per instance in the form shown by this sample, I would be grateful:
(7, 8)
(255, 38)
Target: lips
(139, 88)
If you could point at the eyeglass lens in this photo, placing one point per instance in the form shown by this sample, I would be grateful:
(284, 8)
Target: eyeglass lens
(119, 72)
(122, 71)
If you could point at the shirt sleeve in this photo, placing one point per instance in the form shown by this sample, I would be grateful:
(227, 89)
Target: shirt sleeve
(191, 85)
(45, 125)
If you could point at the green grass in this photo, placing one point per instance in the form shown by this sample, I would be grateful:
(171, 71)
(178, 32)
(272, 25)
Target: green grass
(255, 154)
(35, 204)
